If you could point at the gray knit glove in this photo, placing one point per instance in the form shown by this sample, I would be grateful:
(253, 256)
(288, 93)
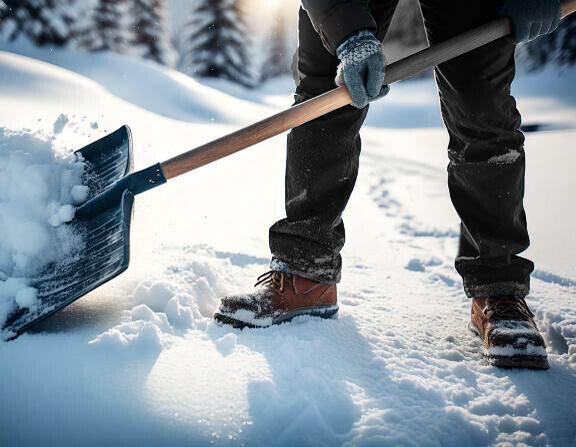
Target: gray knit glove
(531, 18)
(362, 67)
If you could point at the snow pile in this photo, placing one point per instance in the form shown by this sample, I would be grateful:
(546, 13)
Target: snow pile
(163, 309)
(142, 335)
(38, 189)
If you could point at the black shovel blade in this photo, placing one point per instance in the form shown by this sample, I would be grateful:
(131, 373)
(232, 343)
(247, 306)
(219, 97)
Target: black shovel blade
(105, 235)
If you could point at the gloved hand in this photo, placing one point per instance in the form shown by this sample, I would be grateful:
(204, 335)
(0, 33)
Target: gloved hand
(362, 67)
(531, 18)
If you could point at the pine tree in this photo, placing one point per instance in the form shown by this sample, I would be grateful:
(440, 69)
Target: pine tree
(45, 22)
(215, 42)
(148, 29)
(278, 59)
(107, 30)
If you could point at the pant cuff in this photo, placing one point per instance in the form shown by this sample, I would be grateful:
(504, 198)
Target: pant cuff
(318, 271)
(508, 289)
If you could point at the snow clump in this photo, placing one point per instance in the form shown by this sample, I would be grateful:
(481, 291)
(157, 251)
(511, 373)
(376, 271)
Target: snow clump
(60, 123)
(38, 188)
(227, 343)
(141, 335)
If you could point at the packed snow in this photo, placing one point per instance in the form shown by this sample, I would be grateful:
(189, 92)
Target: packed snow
(140, 362)
(38, 188)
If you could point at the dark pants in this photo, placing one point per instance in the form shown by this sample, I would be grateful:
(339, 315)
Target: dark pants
(486, 169)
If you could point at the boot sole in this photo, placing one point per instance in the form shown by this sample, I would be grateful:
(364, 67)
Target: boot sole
(325, 312)
(518, 361)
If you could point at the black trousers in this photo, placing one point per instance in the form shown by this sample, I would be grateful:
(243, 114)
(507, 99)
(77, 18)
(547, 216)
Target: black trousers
(486, 158)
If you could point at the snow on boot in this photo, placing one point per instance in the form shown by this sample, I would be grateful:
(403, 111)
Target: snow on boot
(510, 336)
(278, 298)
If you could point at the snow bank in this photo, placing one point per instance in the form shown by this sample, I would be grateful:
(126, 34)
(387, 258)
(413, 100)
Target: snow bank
(164, 92)
(37, 189)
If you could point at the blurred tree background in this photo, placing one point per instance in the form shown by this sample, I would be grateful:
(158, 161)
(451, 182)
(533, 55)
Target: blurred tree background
(215, 41)
(244, 41)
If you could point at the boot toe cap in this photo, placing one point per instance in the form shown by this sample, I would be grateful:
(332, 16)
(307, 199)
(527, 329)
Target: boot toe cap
(514, 339)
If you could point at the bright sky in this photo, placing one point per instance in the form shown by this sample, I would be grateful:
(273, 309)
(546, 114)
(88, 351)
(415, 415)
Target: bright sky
(259, 12)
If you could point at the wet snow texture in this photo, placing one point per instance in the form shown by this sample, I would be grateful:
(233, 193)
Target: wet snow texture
(37, 190)
(140, 361)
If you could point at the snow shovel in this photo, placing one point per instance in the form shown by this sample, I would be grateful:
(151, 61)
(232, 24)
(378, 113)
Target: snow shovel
(104, 220)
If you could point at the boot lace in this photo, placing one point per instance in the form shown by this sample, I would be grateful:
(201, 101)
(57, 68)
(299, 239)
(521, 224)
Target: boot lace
(271, 278)
(508, 309)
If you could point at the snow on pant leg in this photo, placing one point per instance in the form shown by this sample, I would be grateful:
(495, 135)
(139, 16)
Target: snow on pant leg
(321, 169)
(487, 164)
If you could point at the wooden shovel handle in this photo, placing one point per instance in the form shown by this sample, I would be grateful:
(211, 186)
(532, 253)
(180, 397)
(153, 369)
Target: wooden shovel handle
(339, 97)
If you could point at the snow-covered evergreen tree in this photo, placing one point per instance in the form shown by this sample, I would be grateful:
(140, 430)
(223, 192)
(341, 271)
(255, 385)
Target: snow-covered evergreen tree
(149, 36)
(45, 22)
(107, 29)
(215, 42)
(277, 61)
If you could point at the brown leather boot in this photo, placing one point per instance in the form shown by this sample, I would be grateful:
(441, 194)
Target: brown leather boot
(510, 336)
(278, 298)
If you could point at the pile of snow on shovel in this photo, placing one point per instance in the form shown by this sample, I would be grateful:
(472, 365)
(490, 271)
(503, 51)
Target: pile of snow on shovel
(39, 189)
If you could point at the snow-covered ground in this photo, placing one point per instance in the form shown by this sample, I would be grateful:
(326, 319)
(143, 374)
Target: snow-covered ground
(139, 361)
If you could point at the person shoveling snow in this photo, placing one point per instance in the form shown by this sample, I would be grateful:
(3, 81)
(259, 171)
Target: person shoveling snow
(342, 43)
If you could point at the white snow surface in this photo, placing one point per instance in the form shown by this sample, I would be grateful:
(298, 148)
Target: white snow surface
(140, 362)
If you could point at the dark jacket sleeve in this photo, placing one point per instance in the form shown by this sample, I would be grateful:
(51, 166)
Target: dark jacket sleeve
(334, 20)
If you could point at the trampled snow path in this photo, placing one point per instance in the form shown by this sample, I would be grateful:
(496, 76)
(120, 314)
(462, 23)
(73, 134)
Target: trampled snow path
(140, 362)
